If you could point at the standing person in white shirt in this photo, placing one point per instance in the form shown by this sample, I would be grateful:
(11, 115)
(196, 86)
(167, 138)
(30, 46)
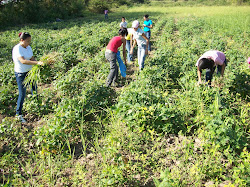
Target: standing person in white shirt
(123, 24)
(142, 42)
(22, 56)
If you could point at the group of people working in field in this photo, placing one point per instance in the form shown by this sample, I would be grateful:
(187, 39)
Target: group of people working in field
(127, 37)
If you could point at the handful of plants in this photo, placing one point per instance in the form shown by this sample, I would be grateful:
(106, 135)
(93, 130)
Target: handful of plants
(34, 75)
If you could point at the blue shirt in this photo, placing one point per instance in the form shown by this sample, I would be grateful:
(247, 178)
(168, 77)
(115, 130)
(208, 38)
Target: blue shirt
(148, 23)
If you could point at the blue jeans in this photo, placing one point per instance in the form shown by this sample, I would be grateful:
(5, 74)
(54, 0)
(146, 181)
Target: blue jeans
(148, 35)
(128, 47)
(210, 72)
(141, 55)
(106, 16)
(22, 91)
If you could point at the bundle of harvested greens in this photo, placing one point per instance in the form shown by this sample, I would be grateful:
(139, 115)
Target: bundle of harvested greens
(34, 75)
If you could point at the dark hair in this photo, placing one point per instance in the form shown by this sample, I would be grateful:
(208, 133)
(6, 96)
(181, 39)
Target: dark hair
(205, 63)
(146, 15)
(123, 32)
(24, 35)
(123, 17)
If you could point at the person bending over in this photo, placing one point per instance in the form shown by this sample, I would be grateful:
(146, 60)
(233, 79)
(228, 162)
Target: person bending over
(142, 42)
(209, 61)
(110, 55)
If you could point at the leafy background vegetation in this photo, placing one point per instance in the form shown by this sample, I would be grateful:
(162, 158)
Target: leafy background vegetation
(34, 11)
(160, 129)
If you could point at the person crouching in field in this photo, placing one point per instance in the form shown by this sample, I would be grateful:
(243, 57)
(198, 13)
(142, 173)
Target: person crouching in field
(142, 42)
(22, 56)
(209, 61)
(110, 55)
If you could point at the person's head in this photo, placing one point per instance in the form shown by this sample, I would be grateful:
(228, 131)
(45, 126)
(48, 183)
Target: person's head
(25, 38)
(145, 17)
(123, 19)
(135, 25)
(123, 32)
(205, 63)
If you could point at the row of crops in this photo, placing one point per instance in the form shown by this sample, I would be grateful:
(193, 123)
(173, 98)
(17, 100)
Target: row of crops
(166, 100)
(161, 129)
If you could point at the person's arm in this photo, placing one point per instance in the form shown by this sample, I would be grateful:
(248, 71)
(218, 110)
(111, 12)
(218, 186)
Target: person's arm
(32, 61)
(150, 26)
(124, 50)
(132, 45)
(199, 75)
(223, 69)
(144, 36)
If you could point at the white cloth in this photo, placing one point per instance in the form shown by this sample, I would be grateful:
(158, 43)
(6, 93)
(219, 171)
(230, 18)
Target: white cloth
(26, 53)
(138, 36)
(217, 56)
(130, 32)
(123, 24)
(135, 24)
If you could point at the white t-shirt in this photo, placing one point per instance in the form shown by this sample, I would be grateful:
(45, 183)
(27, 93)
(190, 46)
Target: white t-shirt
(138, 36)
(130, 32)
(26, 53)
(123, 24)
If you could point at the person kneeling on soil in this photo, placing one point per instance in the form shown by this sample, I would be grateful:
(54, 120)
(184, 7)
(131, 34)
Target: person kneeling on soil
(209, 61)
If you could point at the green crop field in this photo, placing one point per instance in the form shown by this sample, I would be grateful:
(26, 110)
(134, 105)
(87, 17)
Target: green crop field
(159, 129)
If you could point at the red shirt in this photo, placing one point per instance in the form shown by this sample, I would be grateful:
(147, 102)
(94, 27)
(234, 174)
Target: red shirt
(114, 43)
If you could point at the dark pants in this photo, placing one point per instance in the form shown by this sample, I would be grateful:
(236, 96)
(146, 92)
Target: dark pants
(148, 35)
(113, 75)
(210, 72)
(22, 91)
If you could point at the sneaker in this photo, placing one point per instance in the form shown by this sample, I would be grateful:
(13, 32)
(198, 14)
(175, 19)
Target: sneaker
(21, 119)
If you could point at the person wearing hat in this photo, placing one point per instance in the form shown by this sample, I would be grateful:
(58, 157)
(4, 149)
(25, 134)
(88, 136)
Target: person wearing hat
(142, 42)
(209, 61)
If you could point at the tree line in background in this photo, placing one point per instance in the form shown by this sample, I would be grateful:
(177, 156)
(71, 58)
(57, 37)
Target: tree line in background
(33, 11)
(14, 12)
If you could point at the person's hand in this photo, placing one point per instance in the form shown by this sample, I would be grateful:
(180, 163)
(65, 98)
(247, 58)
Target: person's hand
(40, 63)
(144, 25)
(199, 83)
(131, 51)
